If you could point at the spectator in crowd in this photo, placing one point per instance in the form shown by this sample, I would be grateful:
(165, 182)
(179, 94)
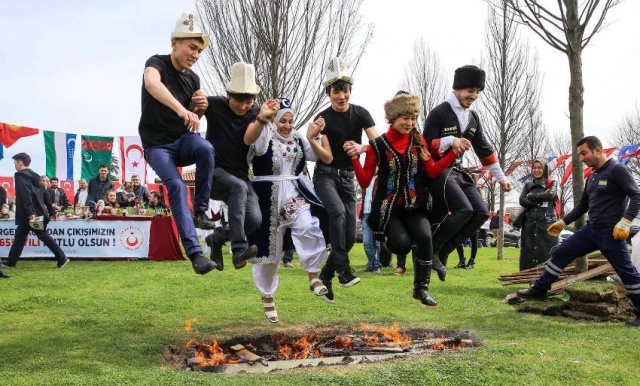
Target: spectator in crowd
(127, 198)
(538, 213)
(494, 225)
(155, 200)
(287, 258)
(172, 105)
(58, 196)
(3, 196)
(32, 214)
(370, 244)
(141, 191)
(80, 199)
(111, 199)
(44, 180)
(99, 185)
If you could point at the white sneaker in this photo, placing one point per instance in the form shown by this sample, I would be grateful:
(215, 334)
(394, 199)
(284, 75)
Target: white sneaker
(288, 265)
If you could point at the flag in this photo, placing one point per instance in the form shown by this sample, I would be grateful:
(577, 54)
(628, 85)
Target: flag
(569, 169)
(59, 149)
(627, 152)
(513, 167)
(95, 152)
(7, 184)
(1, 151)
(132, 159)
(9, 134)
(69, 189)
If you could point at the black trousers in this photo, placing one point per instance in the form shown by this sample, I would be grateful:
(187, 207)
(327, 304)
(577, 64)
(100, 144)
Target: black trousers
(22, 231)
(458, 208)
(408, 228)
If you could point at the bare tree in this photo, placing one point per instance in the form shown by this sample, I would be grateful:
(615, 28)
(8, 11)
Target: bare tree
(568, 26)
(628, 133)
(290, 42)
(505, 100)
(425, 76)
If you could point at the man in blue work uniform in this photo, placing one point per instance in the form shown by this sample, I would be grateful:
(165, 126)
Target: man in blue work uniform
(612, 198)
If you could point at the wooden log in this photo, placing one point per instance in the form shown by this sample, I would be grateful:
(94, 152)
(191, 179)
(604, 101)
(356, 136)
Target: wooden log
(251, 357)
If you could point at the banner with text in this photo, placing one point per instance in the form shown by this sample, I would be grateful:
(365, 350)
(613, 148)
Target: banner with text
(85, 238)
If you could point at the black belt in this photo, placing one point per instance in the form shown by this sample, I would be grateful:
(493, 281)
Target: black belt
(340, 172)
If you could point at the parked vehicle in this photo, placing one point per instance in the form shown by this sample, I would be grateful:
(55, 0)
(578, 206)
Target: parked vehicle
(511, 236)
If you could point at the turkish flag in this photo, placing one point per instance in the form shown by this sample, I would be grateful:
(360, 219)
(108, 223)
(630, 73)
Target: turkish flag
(69, 187)
(9, 134)
(132, 159)
(7, 184)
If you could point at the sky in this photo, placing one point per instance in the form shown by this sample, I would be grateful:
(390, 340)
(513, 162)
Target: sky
(76, 66)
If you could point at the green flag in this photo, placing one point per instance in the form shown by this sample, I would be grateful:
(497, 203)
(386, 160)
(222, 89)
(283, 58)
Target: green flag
(95, 152)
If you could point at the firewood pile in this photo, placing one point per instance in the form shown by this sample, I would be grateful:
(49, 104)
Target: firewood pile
(597, 267)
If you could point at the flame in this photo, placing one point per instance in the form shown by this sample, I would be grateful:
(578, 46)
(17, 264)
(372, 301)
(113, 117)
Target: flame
(211, 354)
(188, 323)
(387, 336)
(342, 341)
(301, 348)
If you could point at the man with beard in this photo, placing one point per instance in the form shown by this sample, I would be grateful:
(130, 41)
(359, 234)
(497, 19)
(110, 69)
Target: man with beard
(612, 199)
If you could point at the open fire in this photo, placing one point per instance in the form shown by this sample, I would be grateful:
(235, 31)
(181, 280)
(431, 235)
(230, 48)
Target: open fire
(320, 347)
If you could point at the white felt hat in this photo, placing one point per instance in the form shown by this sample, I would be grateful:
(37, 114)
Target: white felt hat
(337, 70)
(188, 26)
(243, 79)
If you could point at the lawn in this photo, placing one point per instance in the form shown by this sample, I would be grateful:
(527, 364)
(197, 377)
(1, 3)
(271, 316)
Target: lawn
(106, 323)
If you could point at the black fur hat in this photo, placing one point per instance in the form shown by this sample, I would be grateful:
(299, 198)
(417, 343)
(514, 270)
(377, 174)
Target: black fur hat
(468, 76)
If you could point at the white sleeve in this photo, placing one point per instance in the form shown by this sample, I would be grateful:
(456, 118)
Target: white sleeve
(261, 144)
(309, 154)
(445, 143)
(497, 172)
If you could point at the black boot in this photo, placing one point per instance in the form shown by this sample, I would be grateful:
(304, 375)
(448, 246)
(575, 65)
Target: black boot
(440, 269)
(461, 263)
(471, 263)
(422, 278)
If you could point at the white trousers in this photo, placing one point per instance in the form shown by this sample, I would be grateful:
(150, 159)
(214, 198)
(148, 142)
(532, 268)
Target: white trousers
(310, 247)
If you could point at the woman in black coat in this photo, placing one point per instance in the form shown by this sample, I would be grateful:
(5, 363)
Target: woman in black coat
(538, 200)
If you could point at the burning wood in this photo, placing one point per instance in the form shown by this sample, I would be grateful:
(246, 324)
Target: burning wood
(321, 347)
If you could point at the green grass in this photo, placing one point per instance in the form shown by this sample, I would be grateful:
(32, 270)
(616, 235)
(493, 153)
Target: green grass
(106, 323)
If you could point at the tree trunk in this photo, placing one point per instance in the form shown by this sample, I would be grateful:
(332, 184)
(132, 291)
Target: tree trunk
(576, 105)
(500, 241)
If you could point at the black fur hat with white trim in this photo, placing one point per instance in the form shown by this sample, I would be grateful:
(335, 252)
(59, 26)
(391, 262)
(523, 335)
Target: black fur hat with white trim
(468, 77)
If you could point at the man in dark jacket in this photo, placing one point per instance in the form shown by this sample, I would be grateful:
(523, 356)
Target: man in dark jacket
(99, 185)
(612, 199)
(458, 209)
(31, 212)
(59, 200)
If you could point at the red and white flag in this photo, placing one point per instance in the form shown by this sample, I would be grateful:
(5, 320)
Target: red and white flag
(69, 187)
(132, 159)
(8, 185)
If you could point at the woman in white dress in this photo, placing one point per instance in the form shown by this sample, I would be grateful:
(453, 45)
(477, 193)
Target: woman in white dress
(286, 196)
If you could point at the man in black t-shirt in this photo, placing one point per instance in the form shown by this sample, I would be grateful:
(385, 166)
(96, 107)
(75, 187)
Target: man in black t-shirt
(233, 124)
(334, 182)
(172, 104)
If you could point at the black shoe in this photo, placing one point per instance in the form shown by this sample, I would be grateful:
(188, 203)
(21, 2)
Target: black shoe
(461, 264)
(633, 323)
(348, 279)
(216, 250)
(10, 265)
(62, 263)
(532, 293)
(240, 258)
(470, 265)
(200, 220)
(424, 297)
(201, 264)
(4, 274)
(328, 297)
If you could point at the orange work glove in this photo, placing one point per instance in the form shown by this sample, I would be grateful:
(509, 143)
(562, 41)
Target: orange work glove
(555, 228)
(621, 230)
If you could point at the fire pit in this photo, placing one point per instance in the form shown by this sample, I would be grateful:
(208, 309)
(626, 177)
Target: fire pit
(323, 347)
